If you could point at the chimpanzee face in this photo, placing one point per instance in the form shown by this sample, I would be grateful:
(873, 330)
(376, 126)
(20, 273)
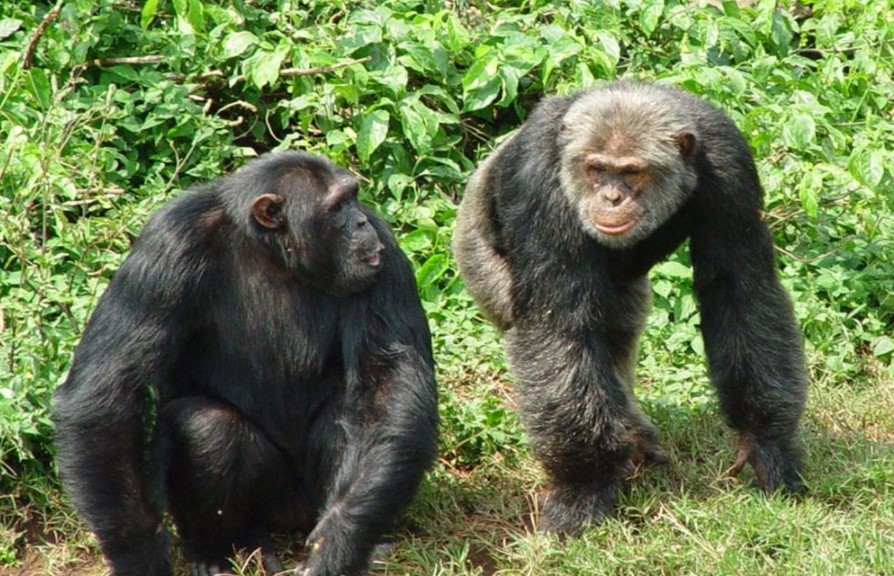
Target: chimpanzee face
(355, 250)
(322, 229)
(626, 165)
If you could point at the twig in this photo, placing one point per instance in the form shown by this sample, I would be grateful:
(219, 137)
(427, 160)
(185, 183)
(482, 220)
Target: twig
(151, 59)
(288, 72)
(38, 34)
(205, 77)
(102, 62)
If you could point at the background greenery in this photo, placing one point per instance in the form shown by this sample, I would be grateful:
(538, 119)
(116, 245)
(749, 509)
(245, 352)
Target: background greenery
(109, 108)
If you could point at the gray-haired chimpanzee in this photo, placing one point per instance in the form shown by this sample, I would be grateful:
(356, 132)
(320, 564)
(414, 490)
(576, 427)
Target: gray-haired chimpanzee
(260, 361)
(554, 238)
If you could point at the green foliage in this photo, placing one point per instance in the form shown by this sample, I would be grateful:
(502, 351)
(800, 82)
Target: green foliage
(113, 107)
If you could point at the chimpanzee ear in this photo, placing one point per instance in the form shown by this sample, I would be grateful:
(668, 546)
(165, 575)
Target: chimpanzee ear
(686, 142)
(267, 210)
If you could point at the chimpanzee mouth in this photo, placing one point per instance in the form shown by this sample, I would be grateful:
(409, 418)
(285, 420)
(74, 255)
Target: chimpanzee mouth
(616, 230)
(374, 260)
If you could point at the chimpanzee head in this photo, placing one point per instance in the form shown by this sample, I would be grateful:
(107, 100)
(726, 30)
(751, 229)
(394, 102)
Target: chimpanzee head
(627, 162)
(306, 209)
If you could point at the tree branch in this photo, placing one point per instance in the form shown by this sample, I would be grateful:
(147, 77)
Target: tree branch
(38, 34)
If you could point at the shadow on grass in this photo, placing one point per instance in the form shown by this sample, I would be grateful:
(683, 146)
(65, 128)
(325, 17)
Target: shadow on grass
(471, 520)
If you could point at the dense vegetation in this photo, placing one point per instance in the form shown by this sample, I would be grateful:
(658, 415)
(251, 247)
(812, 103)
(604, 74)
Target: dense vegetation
(110, 108)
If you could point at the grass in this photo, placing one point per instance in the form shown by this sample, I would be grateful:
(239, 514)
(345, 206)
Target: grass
(474, 512)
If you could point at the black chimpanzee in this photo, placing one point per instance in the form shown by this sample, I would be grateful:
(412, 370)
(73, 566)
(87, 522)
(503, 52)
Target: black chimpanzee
(554, 238)
(260, 361)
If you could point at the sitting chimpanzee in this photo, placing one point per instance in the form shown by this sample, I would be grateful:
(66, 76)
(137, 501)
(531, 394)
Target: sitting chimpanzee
(260, 361)
(555, 236)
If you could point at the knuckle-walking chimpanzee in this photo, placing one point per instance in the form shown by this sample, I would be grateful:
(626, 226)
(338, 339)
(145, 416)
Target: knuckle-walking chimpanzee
(554, 238)
(260, 361)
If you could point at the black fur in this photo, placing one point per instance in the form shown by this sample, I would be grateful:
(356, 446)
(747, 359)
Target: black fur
(220, 379)
(572, 305)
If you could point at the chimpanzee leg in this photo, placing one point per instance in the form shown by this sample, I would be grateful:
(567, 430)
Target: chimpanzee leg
(754, 348)
(226, 483)
(646, 448)
(579, 415)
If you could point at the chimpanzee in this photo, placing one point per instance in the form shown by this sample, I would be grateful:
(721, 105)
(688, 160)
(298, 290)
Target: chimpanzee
(260, 361)
(554, 238)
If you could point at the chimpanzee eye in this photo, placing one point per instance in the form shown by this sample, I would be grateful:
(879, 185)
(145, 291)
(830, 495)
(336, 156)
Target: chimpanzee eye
(338, 215)
(594, 172)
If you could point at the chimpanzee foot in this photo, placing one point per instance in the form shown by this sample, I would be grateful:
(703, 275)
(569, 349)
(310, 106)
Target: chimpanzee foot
(776, 463)
(270, 562)
(212, 566)
(209, 568)
(380, 554)
(743, 453)
(570, 508)
(646, 452)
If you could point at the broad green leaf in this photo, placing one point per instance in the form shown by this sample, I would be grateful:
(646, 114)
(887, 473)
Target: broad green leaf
(509, 86)
(481, 84)
(809, 191)
(397, 183)
(414, 129)
(147, 14)
(610, 46)
(686, 306)
(799, 132)
(196, 15)
(697, 345)
(882, 346)
(781, 31)
(39, 86)
(731, 8)
(362, 37)
(263, 66)
(419, 124)
(457, 36)
(867, 167)
(650, 15)
(429, 58)
(662, 287)
(416, 241)
(238, 42)
(395, 78)
(432, 270)
(8, 27)
(339, 139)
(673, 270)
(741, 29)
(373, 130)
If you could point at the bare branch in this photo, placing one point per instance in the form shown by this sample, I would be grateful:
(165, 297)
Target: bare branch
(38, 34)
(206, 78)
(150, 59)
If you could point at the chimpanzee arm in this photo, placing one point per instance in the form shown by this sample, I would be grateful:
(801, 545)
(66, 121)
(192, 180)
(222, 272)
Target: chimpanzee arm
(380, 469)
(752, 341)
(475, 244)
(100, 412)
(391, 431)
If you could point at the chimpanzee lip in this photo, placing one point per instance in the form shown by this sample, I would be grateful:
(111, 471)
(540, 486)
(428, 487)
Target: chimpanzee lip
(615, 230)
(374, 260)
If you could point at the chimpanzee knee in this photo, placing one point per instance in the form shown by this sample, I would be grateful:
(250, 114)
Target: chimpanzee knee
(227, 483)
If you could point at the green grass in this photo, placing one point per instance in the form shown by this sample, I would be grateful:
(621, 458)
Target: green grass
(474, 518)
